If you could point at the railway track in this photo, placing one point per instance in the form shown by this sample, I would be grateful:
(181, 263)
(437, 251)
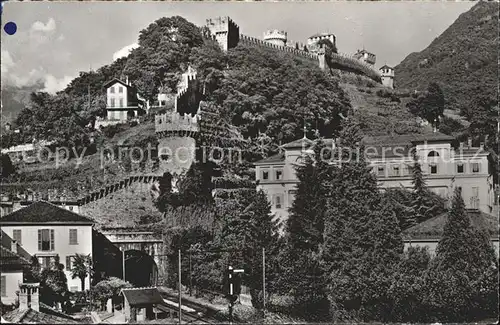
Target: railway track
(191, 311)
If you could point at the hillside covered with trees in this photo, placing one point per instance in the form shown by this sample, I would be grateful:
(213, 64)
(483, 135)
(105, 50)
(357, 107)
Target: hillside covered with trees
(463, 61)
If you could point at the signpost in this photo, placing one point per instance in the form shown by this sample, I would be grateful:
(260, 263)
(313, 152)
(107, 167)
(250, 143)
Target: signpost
(234, 288)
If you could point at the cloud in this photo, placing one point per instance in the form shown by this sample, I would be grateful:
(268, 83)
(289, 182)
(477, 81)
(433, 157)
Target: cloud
(7, 61)
(53, 85)
(124, 51)
(41, 27)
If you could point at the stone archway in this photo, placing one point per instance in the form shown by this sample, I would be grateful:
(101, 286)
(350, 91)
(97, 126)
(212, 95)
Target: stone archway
(140, 269)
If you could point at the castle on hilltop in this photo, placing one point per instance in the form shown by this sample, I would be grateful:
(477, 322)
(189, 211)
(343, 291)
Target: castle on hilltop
(227, 33)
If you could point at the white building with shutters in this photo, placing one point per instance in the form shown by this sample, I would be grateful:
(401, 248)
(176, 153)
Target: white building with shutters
(445, 165)
(45, 231)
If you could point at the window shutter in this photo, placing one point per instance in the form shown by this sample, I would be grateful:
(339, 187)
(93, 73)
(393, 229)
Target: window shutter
(73, 236)
(68, 263)
(51, 239)
(39, 239)
(3, 284)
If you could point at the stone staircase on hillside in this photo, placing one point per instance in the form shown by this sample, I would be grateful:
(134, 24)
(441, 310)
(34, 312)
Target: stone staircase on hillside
(110, 189)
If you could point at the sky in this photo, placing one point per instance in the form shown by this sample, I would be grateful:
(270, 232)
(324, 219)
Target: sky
(56, 40)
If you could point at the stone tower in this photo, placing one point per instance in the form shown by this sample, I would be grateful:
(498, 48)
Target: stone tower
(366, 57)
(387, 74)
(276, 37)
(311, 41)
(225, 31)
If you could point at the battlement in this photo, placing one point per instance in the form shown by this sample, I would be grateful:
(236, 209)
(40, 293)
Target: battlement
(173, 123)
(275, 37)
(220, 23)
(258, 42)
(318, 37)
(365, 56)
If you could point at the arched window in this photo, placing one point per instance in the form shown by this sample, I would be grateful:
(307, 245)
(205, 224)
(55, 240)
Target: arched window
(433, 154)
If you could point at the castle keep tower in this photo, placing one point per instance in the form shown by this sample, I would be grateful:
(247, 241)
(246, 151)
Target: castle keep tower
(387, 74)
(365, 56)
(311, 41)
(225, 31)
(276, 37)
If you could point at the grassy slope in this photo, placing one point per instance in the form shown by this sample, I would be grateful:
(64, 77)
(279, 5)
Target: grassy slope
(378, 115)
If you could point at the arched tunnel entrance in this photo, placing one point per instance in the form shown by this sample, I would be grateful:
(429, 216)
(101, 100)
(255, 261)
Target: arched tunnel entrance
(140, 269)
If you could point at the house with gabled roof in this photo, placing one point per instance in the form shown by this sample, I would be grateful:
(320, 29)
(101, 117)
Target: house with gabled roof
(123, 103)
(429, 232)
(13, 262)
(45, 231)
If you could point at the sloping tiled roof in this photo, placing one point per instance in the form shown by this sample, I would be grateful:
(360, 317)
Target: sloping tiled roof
(46, 315)
(433, 228)
(8, 257)
(298, 143)
(388, 140)
(272, 159)
(44, 212)
(142, 296)
(116, 80)
(386, 66)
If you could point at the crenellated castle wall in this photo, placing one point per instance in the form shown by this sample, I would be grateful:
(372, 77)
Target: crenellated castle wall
(249, 40)
(224, 30)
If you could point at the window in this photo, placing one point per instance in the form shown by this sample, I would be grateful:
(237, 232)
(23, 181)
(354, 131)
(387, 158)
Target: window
(112, 102)
(73, 236)
(69, 260)
(265, 174)
(395, 170)
(16, 235)
(434, 168)
(121, 102)
(4, 286)
(380, 171)
(112, 90)
(433, 154)
(460, 168)
(44, 261)
(120, 89)
(475, 167)
(291, 197)
(279, 174)
(46, 239)
(70, 208)
(278, 201)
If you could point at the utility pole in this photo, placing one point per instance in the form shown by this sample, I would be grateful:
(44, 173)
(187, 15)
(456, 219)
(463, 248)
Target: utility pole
(264, 282)
(190, 274)
(180, 294)
(123, 263)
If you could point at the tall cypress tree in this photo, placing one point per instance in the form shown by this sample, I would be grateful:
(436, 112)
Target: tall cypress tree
(305, 224)
(300, 273)
(425, 204)
(460, 283)
(362, 240)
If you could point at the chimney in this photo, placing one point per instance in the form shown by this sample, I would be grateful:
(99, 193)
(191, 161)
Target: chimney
(126, 80)
(35, 298)
(486, 140)
(23, 297)
(13, 246)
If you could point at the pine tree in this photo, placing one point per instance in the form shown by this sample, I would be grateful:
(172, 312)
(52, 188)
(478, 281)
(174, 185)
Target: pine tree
(362, 240)
(459, 283)
(425, 203)
(305, 224)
